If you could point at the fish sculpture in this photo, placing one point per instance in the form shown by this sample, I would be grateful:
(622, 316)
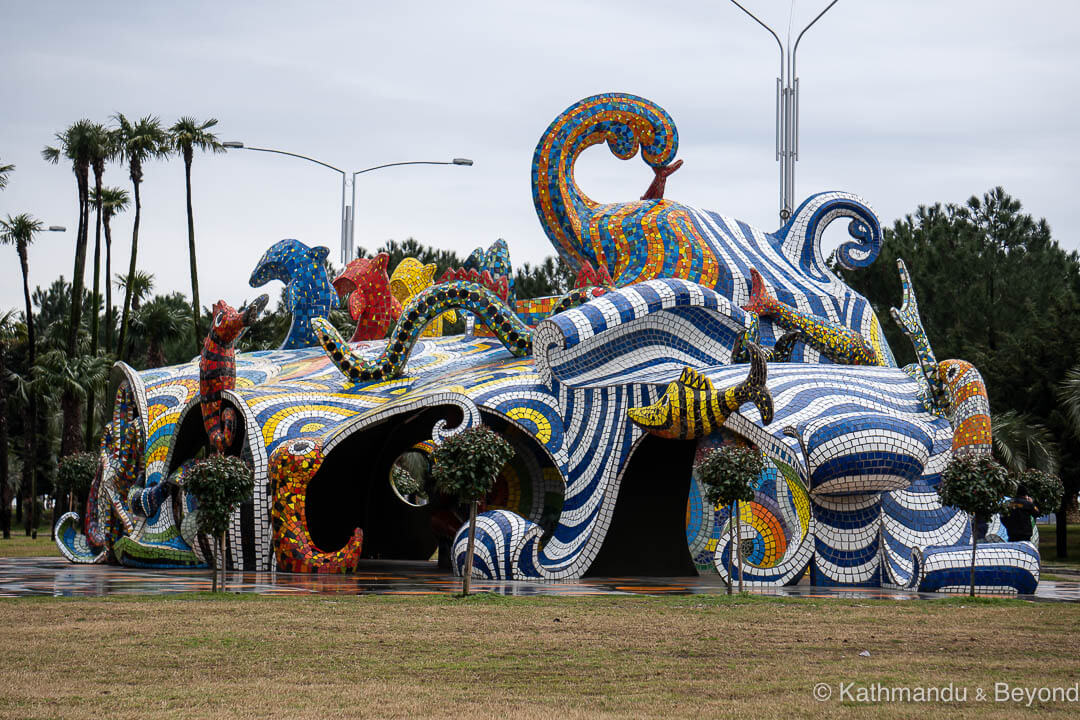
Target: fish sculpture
(692, 408)
(308, 293)
(840, 344)
(371, 303)
(409, 278)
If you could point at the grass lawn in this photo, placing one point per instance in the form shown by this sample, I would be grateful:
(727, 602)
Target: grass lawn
(21, 545)
(1048, 545)
(487, 656)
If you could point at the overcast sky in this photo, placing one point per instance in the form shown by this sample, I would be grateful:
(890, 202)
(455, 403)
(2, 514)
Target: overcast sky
(904, 103)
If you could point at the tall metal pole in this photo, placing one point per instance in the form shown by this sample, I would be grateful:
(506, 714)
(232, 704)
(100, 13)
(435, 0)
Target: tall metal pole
(352, 209)
(236, 144)
(787, 109)
(348, 229)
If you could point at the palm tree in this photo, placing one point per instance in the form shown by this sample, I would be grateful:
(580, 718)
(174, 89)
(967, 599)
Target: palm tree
(76, 144)
(1021, 443)
(1068, 393)
(113, 201)
(141, 284)
(5, 170)
(156, 323)
(137, 142)
(67, 378)
(102, 147)
(188, 135)
(19, 231)
(8, 333)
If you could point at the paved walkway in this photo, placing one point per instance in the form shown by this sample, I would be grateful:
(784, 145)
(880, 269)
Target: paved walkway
(58, 577)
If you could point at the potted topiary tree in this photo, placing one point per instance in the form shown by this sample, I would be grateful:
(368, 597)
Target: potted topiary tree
(465, 466)
(727, 476)
(976, 485)
(219, 483)
(1045, 489)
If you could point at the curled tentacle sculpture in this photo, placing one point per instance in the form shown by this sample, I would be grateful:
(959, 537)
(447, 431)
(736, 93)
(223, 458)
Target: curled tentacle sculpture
(489, 308)
(968, 408)
(297, 462)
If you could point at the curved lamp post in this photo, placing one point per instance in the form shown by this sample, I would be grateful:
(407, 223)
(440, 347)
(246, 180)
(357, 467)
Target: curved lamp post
(348, 231)
(787, 108)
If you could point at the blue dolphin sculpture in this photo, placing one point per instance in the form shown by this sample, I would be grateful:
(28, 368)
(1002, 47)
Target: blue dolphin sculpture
(308, 292)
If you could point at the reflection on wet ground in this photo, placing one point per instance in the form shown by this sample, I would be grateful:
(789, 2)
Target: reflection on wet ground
(58, 577)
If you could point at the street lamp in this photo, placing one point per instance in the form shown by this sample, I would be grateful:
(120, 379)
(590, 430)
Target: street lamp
(347, 231)
(347, 252)
(787, 108)
(57, 228)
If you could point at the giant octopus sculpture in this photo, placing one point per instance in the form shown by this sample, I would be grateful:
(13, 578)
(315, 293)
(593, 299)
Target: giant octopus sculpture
(688, 330)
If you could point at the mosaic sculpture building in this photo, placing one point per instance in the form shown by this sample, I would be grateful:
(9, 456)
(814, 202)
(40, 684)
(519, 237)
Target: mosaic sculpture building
(593, 392)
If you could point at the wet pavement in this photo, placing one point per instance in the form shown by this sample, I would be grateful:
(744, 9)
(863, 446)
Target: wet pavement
(48, 576)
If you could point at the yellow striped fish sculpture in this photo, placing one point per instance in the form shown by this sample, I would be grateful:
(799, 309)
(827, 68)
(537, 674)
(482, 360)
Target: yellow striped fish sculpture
(692, 408)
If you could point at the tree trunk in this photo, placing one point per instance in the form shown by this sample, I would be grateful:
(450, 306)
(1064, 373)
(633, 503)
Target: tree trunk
(80, 259)
(221, 543)
(120, 345)
(213, 568)
(72, 421)
(467, 574)
(71, 431)
(95, 303)
(108, 285)
(731, 549)
(1062, 527)
(30, 434)
(5, 498)
(191, 252)
(738, 542)
(974, 543)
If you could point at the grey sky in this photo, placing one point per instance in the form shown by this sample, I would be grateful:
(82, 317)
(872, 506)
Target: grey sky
(902, 102)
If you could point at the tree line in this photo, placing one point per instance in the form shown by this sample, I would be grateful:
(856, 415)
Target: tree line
(76, 354)
(996, 289)
(55, 355)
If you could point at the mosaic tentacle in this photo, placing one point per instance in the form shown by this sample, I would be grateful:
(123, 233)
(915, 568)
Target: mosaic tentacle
(295, 463)
(969, 407)
(800, 237)
(425, 307)
(626, 123)
(907, 317)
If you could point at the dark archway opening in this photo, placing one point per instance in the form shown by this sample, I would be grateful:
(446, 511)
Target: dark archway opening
(647, 535)
(191, 441)
(352, 489)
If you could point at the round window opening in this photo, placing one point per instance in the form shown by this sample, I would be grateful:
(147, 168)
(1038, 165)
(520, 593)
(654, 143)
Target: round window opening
(409, 477)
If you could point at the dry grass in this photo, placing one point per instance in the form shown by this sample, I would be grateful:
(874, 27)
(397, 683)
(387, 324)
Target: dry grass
(315, 657)
(1048, 545)
(22, 545)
